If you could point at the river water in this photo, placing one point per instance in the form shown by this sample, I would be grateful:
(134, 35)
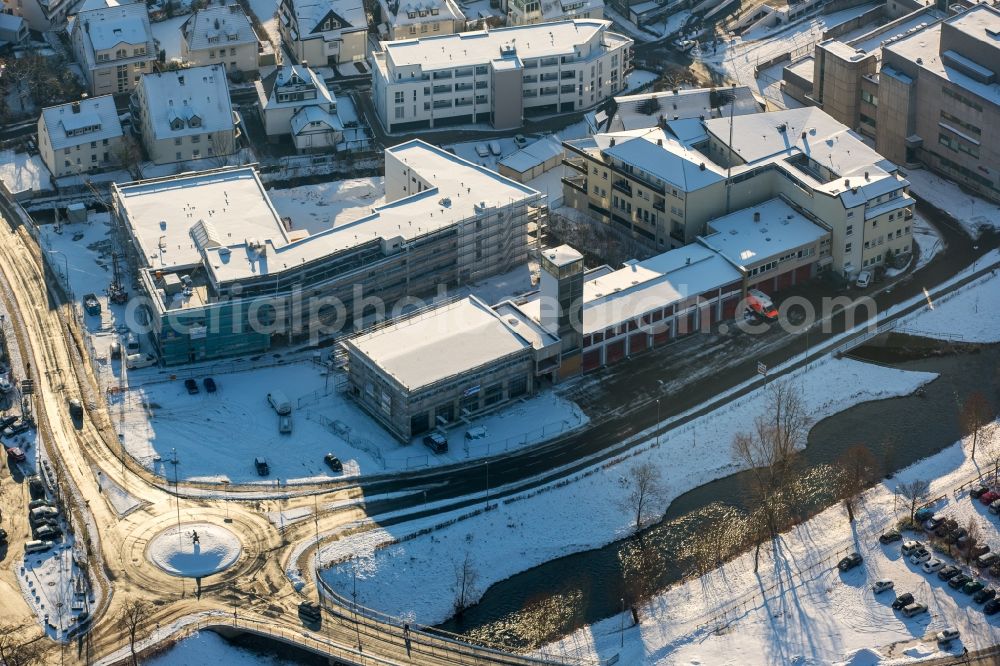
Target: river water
(543, 603)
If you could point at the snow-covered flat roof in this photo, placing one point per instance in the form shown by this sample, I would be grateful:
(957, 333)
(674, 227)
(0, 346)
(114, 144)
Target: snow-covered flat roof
(162, 213)
(98, 113)
(757, 233)
(218, 26)
(656, 152)
(645, 110)
(185, 93)
(448, 340)
(480, 46)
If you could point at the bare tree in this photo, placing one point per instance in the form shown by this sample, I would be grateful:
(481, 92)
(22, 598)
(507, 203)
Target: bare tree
(858, 469)
(642, 563)
(975, 416)
(133, 615)
(465, 586)
(914, 492)
(129, 155)
(16, 648)
(648, 493)
(974, 536)
(769, 451)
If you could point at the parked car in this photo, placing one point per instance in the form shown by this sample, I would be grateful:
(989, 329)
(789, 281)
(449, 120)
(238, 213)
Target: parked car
(136, 361)
(973, 586)
(8, 420)
(947, 636)
(944, 528)
(881, 586)
(902, 601)
(520, 141)
(333, 462)
(959, 581)
(910, 547)
(310, 611)
(261, 465)
(47, 532)
(920, 557)
(16, 454)
(210, 385)
(890, 536)
(191, 386)
(494, 147)
(849, 562)
(35, 487)
(955, 535)
(933, 566)
(914, 609)
(436, 442)
(91, 305)
(979, 550)
(76, 409)
(864, 279)
(987, 560)
(992, 607)
(989, 497)
(931, 523)
(34, 504)
(482, 150)
(279, 402)
(977, 491)
(17, 428)
(923, 513)
(3, 537)
(984, 595)
(995, 506)
(949, 572)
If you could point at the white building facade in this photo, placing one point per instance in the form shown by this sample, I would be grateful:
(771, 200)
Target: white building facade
(220, 35)
(324, 33)
(80, 137)
(295, 101)
(498, 76)
(114, 46)
(408, 19)
(526, 12)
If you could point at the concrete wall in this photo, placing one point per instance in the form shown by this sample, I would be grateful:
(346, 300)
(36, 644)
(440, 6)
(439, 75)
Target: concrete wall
(507, 102)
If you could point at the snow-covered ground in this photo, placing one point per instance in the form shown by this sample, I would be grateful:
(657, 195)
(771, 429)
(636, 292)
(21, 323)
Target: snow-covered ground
(639, 78)
(799, 609)
(324, 205)
(21, 172)
(55, 587)
(266, 11)
(207, 647)
(194, 550)
(971, 211)
(168, 35)
(971, 314)
(414, 578)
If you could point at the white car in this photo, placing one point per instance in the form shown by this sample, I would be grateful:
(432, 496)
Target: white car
(520, 141)
(920, 557)
(947, 635)
(864, 279)
(482, 150)
(494, 147)
(910, 547)
(933, 566)
(136, 361)
(881, 586)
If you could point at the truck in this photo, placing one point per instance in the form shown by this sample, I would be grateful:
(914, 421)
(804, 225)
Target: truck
(91, 304)
(279, 401)
(761, 305)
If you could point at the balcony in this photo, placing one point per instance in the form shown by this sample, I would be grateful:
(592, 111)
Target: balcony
(577, 165)
(660, 206)
(622, 186)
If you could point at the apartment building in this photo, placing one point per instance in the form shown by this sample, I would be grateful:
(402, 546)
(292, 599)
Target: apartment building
(526, 12)
(324, 33)
(294, 101)
(185, 114)
(939, 100)
(13, 31)
(647, 110)
(498, 76)
(80, 137)
(226, 274)
(663, 185)
(114, 46)
(408, 19)
(41, 15)
(221, 35)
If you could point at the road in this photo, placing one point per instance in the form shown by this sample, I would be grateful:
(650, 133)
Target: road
(256, 586)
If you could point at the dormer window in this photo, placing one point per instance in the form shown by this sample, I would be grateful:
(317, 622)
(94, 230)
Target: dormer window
(120, 53)
(195, 121)
(213, 39)
(326, 24)
(176, 124)
(411, 14)
(434, 11)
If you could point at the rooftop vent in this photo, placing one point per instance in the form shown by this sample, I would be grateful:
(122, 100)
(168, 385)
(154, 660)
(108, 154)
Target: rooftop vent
(756, 217)
(701, 167)
(782, 127)
(76, 107)
(612, 144)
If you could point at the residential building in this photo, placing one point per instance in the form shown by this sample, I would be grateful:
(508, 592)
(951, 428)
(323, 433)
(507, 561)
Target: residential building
(526, 12)
(41, 15)
(226, 274)
(646, 110)
(324, 33)
(13, 31)
(407, 19)
(80, 137)
(498, 76)
(221, 35)
(939, 99)
(185, 114)
(294, 101)
(114, 46)
(664, 185)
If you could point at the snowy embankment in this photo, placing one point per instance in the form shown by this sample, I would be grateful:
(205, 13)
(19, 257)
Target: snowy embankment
(800, 609)
(971, 314)
(970, 211)
(414, 578)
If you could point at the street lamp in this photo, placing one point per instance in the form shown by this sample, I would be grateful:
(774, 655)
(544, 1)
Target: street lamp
(621, 628)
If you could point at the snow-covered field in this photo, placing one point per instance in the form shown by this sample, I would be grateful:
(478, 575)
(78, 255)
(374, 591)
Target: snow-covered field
(414, 578)
(324, 205)
(21, 172)
(971, 211)
(976, 306)
(207, 647)
(168, 34)
(800, 609)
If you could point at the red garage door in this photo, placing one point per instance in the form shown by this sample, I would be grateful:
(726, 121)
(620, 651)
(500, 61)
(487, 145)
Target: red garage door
(591, 359)
(803, 273)
(637, 342)
(766, 286)
(786, 279)
(729, 307)
(614, 352)
(661, 337)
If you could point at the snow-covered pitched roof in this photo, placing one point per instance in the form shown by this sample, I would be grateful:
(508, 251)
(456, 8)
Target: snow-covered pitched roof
(447, 340)
(534, 154)
(88, 120)
(404, 12)
(553, 10)
(640, 111)
(655, 152)
(10, 23)
(305, 116)
(218, 26)
(290, 75)
(310, 14)
(199, 93)
(106, 27)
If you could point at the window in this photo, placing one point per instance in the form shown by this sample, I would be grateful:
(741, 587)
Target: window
(958, 145)
(850, 230)
(958, 122)
(959, 97)
(870, 98)
(847, 248)
(232, 52)
(104, 142)
(177, 141)
(178, 156)
(399, 112)
(399, 96)
(195, 139)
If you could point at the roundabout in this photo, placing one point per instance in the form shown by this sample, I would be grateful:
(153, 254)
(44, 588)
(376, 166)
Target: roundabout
(194, 550)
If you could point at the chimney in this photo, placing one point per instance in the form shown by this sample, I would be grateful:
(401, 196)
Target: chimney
(612, 144)
(701, 167)
(847, 182)
(659, 142)
(756, 216)
(76, 107)
(866, 176)
(180, 79)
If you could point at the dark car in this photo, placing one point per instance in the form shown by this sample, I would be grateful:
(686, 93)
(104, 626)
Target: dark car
(984, 595)
(15, 454)
(979, 550)
(904, 599)
(991, 607)
(849, 562)
(954, 536)
(34, 504)
(191, 386)
(8, 420)
(890, 536)
(973, 586)
(17, 428)
(35, 487)
(932, 523)
(76, 409)
(3, 536)
(210, 386)
(923, 514)
(949, 572)
(959, 581)
(47, 532)
(989, 497)
(947, 526)
(977, 491)
(310, 612)
(262, 466)
(333, 462)
(436, 442)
